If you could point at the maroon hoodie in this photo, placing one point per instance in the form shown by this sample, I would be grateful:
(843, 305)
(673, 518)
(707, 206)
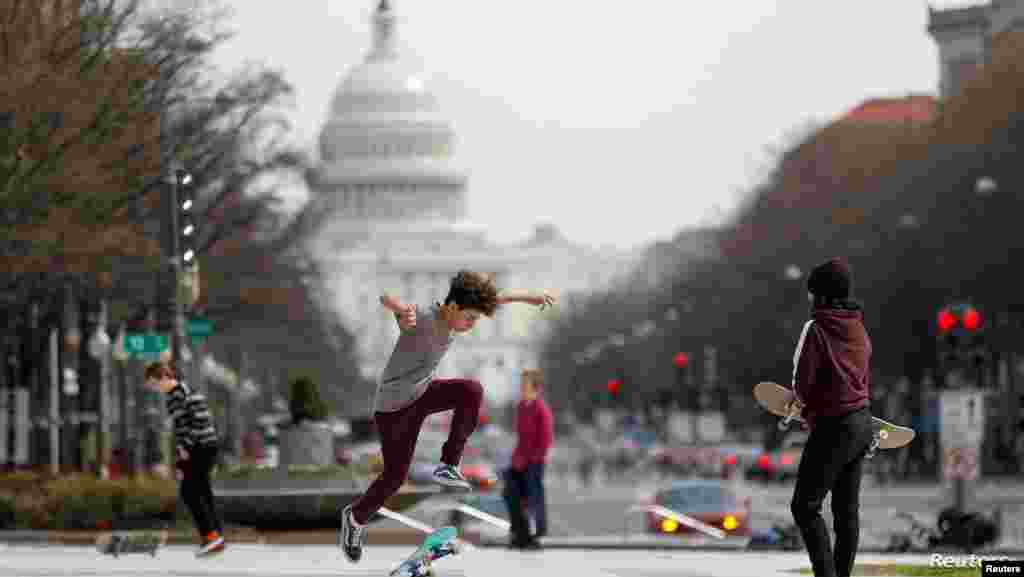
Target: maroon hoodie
(535, 426)
(832, 364)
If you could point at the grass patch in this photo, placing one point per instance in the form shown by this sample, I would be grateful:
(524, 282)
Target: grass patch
(906, 570)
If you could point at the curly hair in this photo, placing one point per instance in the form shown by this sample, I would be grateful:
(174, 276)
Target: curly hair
(156, 369)
(473, 290)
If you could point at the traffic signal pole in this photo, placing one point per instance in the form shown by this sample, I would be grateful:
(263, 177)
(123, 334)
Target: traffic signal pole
(177, 336)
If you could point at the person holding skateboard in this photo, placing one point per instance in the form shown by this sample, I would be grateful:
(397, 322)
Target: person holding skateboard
(832, 382)
(408, 393)
(196, 440)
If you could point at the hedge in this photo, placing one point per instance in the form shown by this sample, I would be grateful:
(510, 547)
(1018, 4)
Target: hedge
(40, 501)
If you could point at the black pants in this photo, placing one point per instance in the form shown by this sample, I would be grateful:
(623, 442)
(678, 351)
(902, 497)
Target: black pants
(833, 460)
(524, 491)
(196, 491)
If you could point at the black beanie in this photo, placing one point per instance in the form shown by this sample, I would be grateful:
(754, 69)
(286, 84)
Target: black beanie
(831, 280)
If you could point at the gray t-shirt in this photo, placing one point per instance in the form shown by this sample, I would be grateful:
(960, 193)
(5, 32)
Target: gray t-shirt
(414, 361)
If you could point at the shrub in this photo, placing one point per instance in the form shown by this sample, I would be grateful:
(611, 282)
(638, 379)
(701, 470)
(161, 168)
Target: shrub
(84, 502)
(8, 512)
(305, 403)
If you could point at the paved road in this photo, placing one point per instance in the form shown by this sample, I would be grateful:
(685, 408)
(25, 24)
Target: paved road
(577, 511)
(316, 561)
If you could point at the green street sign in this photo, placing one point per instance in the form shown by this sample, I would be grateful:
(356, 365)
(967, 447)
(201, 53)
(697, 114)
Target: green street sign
(147, 357)
(199, 327)
(146, 345)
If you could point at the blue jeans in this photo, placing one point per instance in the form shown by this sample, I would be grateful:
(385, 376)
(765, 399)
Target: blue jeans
(524, 492)
(535, 497)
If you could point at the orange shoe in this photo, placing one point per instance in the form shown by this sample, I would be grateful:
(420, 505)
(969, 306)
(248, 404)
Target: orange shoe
(213, 544)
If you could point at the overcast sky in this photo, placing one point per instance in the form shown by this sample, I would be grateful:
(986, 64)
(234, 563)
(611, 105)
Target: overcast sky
(620, 122)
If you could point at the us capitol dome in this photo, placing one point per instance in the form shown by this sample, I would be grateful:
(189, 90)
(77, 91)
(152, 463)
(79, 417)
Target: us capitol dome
(386, 149)
(387, 213)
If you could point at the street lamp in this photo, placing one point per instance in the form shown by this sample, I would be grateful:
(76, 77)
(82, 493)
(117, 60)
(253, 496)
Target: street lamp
(99, 349)
(985, 186)
(99, 344)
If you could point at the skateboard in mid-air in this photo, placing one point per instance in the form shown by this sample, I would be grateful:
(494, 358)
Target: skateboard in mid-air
(780, 401)
(440, 543)
(118, 544)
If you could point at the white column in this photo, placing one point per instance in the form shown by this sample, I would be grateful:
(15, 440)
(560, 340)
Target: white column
(23, 424)
(54, 402)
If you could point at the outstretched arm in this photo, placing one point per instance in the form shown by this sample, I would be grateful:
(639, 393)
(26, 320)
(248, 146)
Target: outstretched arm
(541, 299)
(404, 314)
(391, 303)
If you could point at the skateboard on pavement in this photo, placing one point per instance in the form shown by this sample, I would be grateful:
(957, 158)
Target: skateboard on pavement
(440, 543)
(781, 401)
(118, 544)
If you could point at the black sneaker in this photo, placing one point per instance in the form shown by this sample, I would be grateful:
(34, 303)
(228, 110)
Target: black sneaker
(351, 536)
(450, 476)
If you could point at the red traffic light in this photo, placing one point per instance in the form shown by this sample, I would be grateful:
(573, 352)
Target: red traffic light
(681, 360)
(972, 319)
(615, 386)
(947, 321)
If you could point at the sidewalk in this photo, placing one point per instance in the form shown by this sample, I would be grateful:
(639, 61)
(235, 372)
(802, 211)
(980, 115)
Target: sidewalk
(405, 537)
(384, 536)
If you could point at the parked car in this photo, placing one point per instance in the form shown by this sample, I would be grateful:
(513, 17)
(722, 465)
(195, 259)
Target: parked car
(781, 464)
(734, 458)
(712, 502)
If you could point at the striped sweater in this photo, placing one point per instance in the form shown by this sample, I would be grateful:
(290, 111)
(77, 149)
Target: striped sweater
(193, 422)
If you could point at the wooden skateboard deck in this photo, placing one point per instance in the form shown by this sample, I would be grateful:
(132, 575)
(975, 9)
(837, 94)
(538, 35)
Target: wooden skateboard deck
(440, 543)
(780, 401)
(117, 544)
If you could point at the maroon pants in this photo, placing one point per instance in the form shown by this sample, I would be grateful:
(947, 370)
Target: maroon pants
(399, 431)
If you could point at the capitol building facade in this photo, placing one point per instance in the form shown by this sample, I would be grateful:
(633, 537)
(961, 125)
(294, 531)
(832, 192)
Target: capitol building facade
(390, 195)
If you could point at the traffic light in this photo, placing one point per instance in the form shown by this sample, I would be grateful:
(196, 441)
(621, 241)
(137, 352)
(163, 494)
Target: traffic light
(681, 360)
(615, 387)
(961, 329)
(186, 218)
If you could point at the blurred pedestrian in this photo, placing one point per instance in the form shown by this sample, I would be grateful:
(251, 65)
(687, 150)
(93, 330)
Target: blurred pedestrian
(197, 447)
(832, 380)
(524, 485)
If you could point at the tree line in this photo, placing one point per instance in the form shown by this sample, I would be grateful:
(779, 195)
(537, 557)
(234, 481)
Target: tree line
(925, 212)
(101, 98)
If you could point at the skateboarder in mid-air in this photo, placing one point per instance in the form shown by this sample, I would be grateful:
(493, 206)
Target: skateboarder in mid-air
(831, 379)
(408, 393)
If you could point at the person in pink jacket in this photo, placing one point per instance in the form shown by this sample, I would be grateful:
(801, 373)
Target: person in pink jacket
(524, 482)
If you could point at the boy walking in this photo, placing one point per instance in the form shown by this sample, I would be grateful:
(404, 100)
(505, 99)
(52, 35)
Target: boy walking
(524, 486)
(196, 444)
(408, 393)
(831, 379)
